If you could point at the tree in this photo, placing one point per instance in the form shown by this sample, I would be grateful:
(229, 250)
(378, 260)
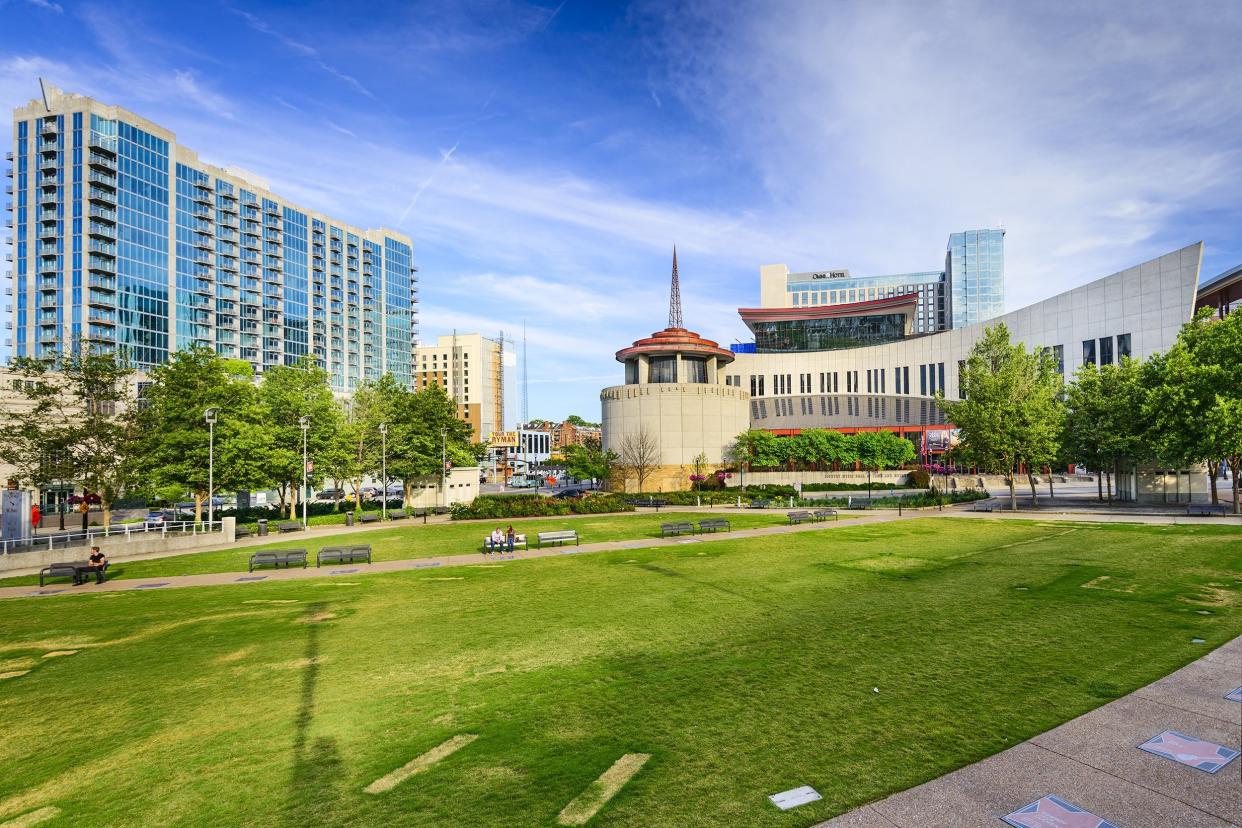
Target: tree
(289, 393)
(1103, 425)
(639, 453)
(588, 461)
(881, 450)
(759, 448)
(173, 437)
(422, 425)
(575, 420)
(698, 470)
(79, 423)
(1011, 412)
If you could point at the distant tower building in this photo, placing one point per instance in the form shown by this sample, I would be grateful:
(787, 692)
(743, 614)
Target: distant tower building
(674, 395)
(974, 267)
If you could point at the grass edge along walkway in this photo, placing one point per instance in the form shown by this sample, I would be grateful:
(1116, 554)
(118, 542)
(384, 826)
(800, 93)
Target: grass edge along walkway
(405, 564)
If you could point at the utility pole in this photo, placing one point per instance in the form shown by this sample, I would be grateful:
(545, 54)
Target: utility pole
(383, 430)
(444, 463)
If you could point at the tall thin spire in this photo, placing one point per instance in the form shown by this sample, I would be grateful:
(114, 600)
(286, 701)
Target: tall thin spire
(674, 297)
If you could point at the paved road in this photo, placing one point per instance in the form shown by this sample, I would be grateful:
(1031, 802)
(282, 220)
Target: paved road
(1094, 763)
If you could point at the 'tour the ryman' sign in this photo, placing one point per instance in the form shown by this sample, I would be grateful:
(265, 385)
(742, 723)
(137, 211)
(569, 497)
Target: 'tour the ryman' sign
(503, 439)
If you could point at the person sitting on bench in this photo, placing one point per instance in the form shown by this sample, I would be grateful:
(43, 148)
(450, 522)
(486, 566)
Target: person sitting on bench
(497, 541)
(98, 561)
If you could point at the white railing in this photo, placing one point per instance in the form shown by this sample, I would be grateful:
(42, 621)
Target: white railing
(115, 532)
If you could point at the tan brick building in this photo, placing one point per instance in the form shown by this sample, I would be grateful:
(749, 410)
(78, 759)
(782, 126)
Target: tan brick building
(468, 367)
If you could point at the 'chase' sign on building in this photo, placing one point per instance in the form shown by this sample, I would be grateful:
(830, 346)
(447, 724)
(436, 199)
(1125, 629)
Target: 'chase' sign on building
(831, 274)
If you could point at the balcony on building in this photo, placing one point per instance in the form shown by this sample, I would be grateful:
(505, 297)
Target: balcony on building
(48, 164)
(102, 161)
(201, 195)
(102, 316)
(102, 229)
(102, 143)
(49, 283)
(100, 264)
(46, 180)
(104, 179)
(101, 195)
(100, 281)
(103, 213)
(99, 298)
(48, 127)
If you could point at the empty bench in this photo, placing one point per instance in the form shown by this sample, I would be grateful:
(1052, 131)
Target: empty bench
(276, 557)
(799, 517)
(824, 514)
(242, 532)
(290, 526)
(369, 517)
(343, 554)
(981, 506)
(518, 540)
(652, 503)
(1206, 510)
(563, 536)
(759, 503)
(397, 514)
(678, 528)
(714, 525)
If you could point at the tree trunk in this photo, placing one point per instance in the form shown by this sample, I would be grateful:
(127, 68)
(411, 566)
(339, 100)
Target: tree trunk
(1235, 466)
(198, 507)
(1030, 479)
(408, 490)
(1050, 495)
(1013, 494)
(1099, 485)
(106, 507)
(1212, 470)
(1109, 486)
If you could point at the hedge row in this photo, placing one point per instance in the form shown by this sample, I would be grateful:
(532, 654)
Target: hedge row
(492, 507)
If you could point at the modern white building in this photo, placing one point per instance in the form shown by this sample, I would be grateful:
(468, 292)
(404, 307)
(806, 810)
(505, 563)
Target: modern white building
(864, 365)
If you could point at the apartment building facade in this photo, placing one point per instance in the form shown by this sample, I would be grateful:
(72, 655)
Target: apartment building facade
(469, 367)
(122, 239)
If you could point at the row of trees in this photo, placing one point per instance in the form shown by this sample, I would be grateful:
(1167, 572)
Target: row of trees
(84, 424)
(1177, 409)
(823, 449)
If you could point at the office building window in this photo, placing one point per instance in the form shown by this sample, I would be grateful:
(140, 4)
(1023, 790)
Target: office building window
(849, 382)
(940, 376)
(1123, 346)
(922, 380)
(1058, 353)
(1088, 352)
(1106, 350)
(868, 380)
(836, 385)
(880, 371)
(905, 378)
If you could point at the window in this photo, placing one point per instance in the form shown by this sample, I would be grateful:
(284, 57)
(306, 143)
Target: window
(754, 392)
(1088, 352)
(1123, 346)
(849, 382)
(1106, 350)
(905, 378)
(836, 386)
(922, 380)
(1058, 353)
(663, 369)
(868, 380)
(881, 371)
(940, 375)
(696, 369)
(897, 380)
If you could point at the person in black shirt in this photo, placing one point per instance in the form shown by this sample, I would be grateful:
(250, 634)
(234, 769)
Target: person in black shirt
(98, 561)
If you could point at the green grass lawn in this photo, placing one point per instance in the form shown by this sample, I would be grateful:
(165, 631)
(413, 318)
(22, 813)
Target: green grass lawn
(743, 667)
(411, 539)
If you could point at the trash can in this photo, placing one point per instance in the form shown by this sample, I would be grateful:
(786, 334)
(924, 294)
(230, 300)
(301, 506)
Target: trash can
(349, 518)
(262, 527)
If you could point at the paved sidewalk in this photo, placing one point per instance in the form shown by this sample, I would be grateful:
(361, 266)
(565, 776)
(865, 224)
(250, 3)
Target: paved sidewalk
(1094, 763)
(474, 558)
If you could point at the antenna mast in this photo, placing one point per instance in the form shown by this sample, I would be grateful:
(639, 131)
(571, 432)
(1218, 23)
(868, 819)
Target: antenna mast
(674, 297)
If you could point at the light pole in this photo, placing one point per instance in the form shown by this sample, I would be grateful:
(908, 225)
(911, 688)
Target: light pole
(210, 415)
(383, 429)
(304, 422)
(444, 463)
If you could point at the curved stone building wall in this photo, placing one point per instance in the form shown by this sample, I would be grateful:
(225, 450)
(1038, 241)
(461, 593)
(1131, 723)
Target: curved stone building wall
(685, 419)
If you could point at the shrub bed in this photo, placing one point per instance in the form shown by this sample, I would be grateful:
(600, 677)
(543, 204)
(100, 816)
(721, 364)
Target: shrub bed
(491, 507)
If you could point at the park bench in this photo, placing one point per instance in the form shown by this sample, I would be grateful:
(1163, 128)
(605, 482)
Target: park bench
(824, 514)
(369, 517)
(650, 503)
(759, 503)
(77, 570)
(799, 517)
(562, 536)
(714, 524)
(276, 557)
(242, 532)
(441, 510)
(343, 554)
(1206, 510)
(290, 526)
(398, 514)
(678, 528)
(518, 540)
(981, 506)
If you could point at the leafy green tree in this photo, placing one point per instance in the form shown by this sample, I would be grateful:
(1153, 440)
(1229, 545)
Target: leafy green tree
(824, 448)
(1103, 425)
(173, 440)
(575, 420)
(289, 393)
(422, 425)
(1011, 414)
(78, 423)
(588, 461)
(759, 448)
(878, 450)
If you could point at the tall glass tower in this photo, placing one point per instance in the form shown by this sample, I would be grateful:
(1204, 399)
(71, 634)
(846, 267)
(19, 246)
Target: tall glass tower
(124, 240)
(975, 271)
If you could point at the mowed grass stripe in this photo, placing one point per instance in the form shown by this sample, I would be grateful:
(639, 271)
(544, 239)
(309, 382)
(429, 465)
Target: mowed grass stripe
(32, 818)
(420, 763)
(587, 804)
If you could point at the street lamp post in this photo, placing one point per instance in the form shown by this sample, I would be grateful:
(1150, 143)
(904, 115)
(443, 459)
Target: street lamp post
(383, 430)
(211, 415)
(444, 463)
(304, 422)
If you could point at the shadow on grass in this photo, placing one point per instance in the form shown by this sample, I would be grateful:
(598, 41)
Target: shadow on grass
(317, 793)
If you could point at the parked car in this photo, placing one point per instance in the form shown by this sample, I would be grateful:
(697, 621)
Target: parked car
(153, 519)
(330, 495)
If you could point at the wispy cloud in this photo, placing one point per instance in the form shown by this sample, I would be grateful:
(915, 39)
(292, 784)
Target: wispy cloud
(341, 129)
(48, 5)
(301, 49)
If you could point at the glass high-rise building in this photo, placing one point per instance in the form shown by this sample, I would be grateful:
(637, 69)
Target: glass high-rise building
(124, 240)
(974, 266)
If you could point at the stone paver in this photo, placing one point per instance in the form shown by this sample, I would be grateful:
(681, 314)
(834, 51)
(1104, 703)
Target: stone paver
(1093, 761)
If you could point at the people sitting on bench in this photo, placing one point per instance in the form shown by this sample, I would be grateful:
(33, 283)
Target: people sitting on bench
(98, 563)
(509, 538)
(495, 542)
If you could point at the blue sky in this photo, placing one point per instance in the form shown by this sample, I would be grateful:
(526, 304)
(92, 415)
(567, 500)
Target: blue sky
(546, 157)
